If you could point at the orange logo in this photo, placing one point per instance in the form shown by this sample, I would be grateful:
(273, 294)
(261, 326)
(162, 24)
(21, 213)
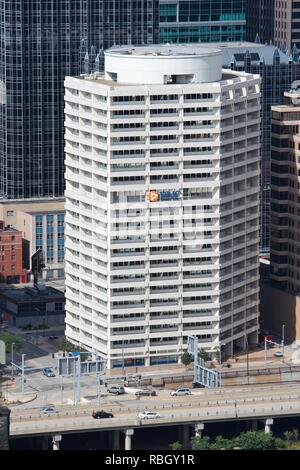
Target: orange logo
(152, 195)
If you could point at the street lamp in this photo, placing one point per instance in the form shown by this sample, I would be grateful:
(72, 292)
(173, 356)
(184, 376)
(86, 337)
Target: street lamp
(220, 373)
(282, 340)
(247, 351)
(23, 373)
(12, 360)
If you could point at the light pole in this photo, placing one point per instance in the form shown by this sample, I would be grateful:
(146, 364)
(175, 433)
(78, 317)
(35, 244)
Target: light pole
(123, 359)
(246, 339)
(282, 340)
(23, 373)
(62, 388)
(220, 380)
(12, 360)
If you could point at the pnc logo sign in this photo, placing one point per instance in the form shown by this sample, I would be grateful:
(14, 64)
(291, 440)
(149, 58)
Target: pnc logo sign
(152, 196)
(155, 196)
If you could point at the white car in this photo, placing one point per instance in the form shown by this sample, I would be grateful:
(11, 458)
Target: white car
(181, 391)
(149, 415)
(49, 409)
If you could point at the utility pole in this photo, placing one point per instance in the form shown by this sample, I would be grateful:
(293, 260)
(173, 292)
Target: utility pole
(282, 341)
(98, 389)
(23, 373)
(247, 359)
(12, 360)
(265, 352)
(61, 389)
(123, 359)
(78, 378)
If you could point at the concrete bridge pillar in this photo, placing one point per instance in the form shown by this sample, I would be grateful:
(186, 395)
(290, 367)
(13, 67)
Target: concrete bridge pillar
(116, 440)
(184, 435)
(45, 443)
(128, 436)
(198, 430)
(254, 425)
(268, 424)
(56, 439)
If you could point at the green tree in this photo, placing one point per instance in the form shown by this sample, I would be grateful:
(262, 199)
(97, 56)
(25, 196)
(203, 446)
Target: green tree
(186, 358)
(8, 339)
(258, 440)
(200, 443)
(176, 446)
(288, 436)
(67, 346)
(203, 355)
(223, 443)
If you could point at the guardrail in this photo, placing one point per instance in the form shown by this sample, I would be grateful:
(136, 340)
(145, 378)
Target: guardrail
(223, 414)
(86, 411)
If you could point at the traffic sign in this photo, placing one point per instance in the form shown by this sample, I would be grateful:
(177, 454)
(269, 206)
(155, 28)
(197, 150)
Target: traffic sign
(192, 344)
(67, 366)
(206, 377)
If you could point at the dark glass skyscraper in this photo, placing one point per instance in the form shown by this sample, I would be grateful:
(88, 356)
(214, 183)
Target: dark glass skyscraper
(39, 46)
(192, 21)
(260, 20)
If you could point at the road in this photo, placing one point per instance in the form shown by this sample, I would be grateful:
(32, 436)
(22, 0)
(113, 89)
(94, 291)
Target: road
(209, 405)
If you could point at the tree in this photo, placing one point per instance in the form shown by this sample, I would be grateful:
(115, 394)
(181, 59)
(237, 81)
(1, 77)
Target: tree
(258, 440)
(67, 346)
(222, 443)
(288, 436)
(203, 355)
(200, 443)
(176, 446)
(9, 338)
(186, 358)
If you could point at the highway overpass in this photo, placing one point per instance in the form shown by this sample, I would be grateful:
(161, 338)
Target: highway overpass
(249, 403)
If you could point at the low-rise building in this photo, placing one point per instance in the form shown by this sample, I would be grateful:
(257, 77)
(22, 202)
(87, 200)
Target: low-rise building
(41, 222)
(11, 255)
(38, 306)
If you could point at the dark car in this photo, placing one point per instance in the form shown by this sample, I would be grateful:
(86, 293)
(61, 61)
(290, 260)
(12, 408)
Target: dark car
(53, 337)
(102, 414)
(146, 393)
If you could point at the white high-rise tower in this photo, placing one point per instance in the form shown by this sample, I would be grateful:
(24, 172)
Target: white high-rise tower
(162, 205)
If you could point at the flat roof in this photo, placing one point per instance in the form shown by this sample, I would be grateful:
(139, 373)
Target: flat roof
(32, 295)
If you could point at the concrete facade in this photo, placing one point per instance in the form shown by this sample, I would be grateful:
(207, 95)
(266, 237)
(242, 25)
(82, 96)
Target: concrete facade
(162, 209)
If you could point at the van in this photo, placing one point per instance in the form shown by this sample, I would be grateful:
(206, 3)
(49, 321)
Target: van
(116, 389)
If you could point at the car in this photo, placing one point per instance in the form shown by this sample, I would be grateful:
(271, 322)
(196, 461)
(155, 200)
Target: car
(149, 415)
(146, 393)
(116, 389)
(278, 354)
(48, 372)
(48, 410)
(102, 414)
(181, 391)
(53, 337)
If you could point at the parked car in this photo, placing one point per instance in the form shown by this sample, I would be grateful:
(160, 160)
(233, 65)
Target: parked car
(102, 414)
(48, 410)
(116, 389)
(149, 415)
(48, 372)
(278, 354)
(146, 393)
(181, 391)
(53, 337)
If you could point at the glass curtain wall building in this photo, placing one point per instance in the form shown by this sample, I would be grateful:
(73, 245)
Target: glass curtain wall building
(192, 21)
(39, 46)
